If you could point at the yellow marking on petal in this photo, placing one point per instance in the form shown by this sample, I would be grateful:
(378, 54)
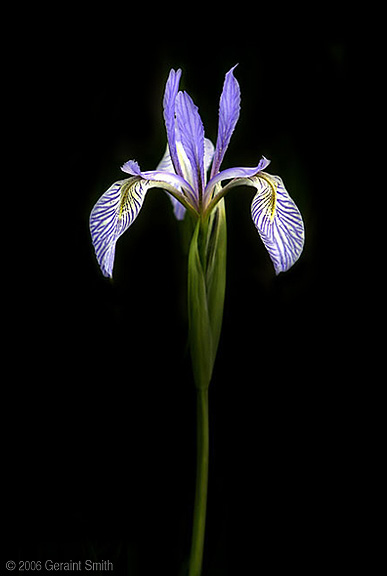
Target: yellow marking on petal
(271, 200)
(128, 192)
(123, 207)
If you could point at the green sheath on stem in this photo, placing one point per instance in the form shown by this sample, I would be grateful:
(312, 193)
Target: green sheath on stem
(206, 289)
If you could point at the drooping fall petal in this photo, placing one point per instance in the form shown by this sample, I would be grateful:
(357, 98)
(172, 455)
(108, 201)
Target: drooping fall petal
(114, 212)
(277, 220)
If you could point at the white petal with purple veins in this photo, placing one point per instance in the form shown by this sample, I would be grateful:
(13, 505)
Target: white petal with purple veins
(114, 212)
(277, 220)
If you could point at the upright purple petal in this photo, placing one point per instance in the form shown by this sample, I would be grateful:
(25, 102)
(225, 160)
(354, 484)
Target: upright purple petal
(169, 103)
(229, 108)
(191, 132)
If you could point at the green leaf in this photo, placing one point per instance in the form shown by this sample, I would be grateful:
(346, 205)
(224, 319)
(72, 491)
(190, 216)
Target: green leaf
(206, 289)
(200, 335)
(216, 273)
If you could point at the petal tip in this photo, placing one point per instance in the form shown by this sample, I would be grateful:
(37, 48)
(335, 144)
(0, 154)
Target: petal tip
(131, 167)
(231, 71)
(263, 163)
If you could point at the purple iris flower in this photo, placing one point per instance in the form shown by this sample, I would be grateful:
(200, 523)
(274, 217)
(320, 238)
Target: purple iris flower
(183, 173)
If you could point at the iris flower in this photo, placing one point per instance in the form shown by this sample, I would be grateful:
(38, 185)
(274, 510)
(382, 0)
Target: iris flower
(190, 172)
(184, 172)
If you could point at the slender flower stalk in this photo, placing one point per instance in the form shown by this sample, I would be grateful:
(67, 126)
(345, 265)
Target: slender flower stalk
(200, 507)
(190, 172)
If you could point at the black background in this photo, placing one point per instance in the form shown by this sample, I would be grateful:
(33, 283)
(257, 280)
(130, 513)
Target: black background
(100, 405)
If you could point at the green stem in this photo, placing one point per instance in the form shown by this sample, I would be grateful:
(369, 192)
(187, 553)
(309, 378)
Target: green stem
(199, 521)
